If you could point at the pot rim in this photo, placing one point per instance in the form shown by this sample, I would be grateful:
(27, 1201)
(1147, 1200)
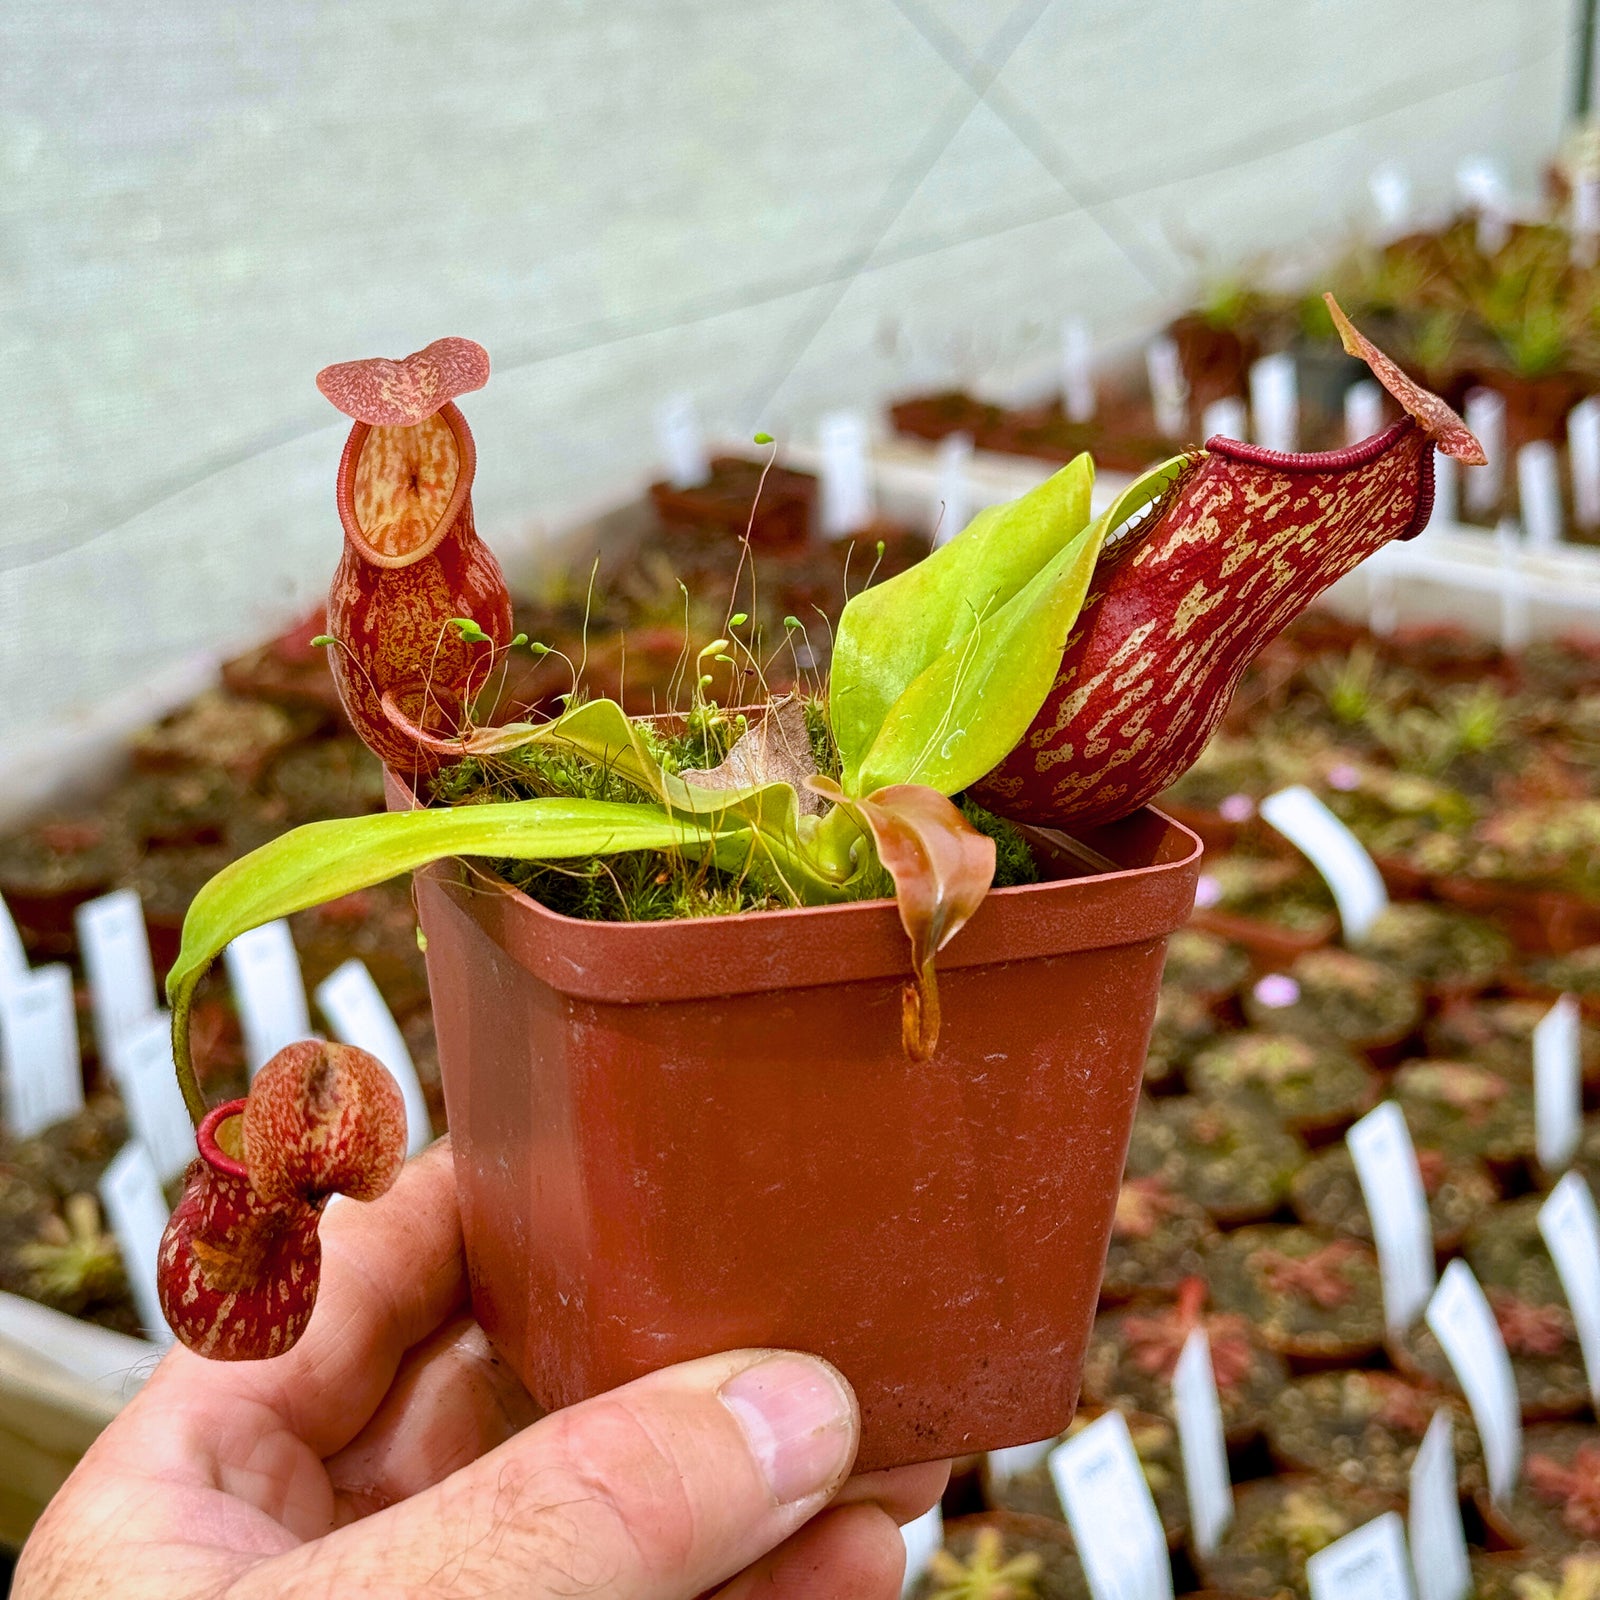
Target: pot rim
(799, 947)
(466, 471)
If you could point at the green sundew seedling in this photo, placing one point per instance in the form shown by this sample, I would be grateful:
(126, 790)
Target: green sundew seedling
(987, 1573)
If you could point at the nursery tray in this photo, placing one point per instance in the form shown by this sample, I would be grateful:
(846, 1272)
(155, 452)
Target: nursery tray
(53, 1407)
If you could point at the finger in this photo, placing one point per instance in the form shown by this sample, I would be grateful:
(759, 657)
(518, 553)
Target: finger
(904, 1492)
(453, 1400)
(392, 1271)
(852, 1553)
(660, 1490)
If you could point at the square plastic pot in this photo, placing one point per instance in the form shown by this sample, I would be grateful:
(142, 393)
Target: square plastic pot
(685, 1137)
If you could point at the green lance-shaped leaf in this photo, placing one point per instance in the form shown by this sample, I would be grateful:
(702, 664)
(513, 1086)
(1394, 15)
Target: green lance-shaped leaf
(324, 860)
(964, 713)
(891, 634)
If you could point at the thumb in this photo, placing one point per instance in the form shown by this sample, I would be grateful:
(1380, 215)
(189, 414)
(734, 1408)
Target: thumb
(662, 1489)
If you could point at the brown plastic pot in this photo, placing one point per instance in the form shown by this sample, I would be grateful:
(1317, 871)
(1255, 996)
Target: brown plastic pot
(676, 1138)
(775, 505)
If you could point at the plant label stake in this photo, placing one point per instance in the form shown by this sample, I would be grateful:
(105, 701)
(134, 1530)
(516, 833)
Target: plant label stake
(1570, 1226)
(923, 1536)
(1169, 394)
(846, 479)
(1390, 189)
(39, 1059)
(682, 445)
(1583, 455)
(1275, 403)
(269, 991)
(1446, 492)
(1103, 1491)
(1202, 1442)
(1557, 1085)
(1513, 591)
(1336, 853)
(116, 954)
(1391, 1184)
(149, 1085)
(130, 1194)
(1439, 1561)
(1482, 188)
(1363, 413)
(1369, 1564)
(1383, 569)
(952, 507)
(1486, 417)
(1539, 494)
(1460, 1319)
(1077, 370)
(356, 1012)
(13, 958)
(1004, 1465)
(1225, 418)
(1585, 221)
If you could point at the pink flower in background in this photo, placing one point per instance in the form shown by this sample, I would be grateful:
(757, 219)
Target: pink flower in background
(1277, 990)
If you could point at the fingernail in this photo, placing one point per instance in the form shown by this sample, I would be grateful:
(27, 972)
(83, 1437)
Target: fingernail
(799, 1420)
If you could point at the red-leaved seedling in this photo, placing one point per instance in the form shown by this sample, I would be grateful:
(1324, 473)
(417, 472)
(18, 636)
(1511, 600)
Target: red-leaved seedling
(240, 1260)
(419, 606)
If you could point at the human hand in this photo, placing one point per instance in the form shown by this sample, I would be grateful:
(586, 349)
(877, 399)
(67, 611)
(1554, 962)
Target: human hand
(392, 1453)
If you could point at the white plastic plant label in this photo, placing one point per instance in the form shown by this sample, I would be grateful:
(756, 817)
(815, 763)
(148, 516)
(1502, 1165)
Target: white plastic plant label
(923, 1538)
(41, 1071)
(1369, 1564)
(130, 1195)
(1169, 393)
(1202, 1442)
(116, 955)
(149, 1085)
(1462, 1322)
(846, 474)
(1585, 220)
(1275, 402)
(1103, 1491)
(1539, 494)
(952, 505)
(1391, 1184)
(1446, 492)
(1078, 397)
(1439, 1561)
(1004, 1465)
(1570, 1226)
(1390, 189)
(1513, 590)
(1486, 417)
(1226, 417)
(1481, 187)
(268, 991)
(1383, 568)
(13, 958)
(1336, 853)
(1557, 1085)
(682, 445)
(1583, 459)
(356, 1012)
(1363, 411)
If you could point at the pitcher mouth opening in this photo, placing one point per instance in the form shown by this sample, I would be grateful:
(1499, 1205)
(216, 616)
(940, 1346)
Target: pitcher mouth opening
(1341, 460)
(219, 1139)
(401, 489)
